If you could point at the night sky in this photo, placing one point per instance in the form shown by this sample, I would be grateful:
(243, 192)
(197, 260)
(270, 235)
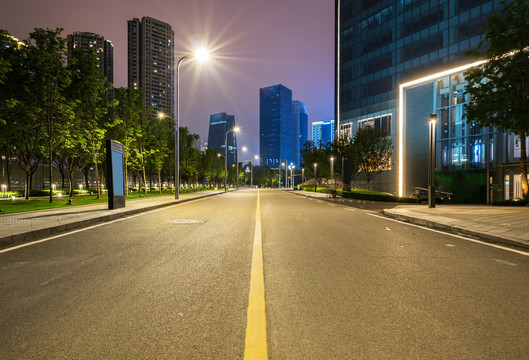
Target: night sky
(256, 43)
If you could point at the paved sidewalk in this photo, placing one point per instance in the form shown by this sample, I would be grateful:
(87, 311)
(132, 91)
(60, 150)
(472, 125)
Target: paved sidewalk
(507, 225)
(25, 226)
(497, 224)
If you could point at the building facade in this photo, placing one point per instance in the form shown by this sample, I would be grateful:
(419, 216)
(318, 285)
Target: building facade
(381, 44)
(219, 124)
(477, 164)
(104, 50)
(151, 62)
(322, 132)
(275, 125)
(300, 126)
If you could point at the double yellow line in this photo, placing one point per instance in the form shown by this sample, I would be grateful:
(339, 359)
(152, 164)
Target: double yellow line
(255, 343)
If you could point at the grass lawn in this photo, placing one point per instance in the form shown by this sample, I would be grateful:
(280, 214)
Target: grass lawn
(8, 206)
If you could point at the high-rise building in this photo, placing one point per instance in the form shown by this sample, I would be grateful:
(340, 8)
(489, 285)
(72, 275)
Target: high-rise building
(219, 124)
(383, 44)
(103, 49)
(275, 125)
(151, 62)
(300, 125)
(322, 132)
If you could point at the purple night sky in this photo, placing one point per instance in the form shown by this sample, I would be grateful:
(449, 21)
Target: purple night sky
(256, 43)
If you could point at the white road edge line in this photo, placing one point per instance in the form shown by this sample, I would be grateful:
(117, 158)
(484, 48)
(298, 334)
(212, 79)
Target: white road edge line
(454, 235)
(96, 226)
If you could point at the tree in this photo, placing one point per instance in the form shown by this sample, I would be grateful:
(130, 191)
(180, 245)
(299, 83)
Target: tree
(373, 152)
(46, 55)
(499, 89)
(317, 154)
(90, 90)
(22, 132)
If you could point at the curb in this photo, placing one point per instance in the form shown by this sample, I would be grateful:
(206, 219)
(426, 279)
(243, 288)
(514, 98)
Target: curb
(10, 240)
(457, 230)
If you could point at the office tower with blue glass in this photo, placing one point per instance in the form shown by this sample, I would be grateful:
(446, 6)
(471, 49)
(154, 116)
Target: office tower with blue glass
(219, 125)
(151, 62)
(322, 133)
(104, 50)
(383, 50)
(300, 125)
(275, 125)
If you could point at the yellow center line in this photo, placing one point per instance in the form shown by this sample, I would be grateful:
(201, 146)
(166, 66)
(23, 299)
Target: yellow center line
(255, 346)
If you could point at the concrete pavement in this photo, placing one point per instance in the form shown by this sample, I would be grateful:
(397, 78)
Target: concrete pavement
(508, 225)
(26, 226)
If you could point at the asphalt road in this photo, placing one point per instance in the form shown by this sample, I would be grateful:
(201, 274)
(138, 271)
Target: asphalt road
(340, 283)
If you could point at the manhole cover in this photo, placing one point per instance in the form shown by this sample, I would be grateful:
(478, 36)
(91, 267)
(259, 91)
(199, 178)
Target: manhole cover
(187, 221)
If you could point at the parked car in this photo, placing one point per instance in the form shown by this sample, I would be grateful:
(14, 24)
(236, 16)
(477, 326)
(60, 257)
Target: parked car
(422, 195)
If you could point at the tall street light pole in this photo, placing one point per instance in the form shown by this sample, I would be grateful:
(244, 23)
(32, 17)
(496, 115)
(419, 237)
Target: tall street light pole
(256, 157)
(431, 160)
(237, 180)
(234, 129)
(201, 55)
(315, 176)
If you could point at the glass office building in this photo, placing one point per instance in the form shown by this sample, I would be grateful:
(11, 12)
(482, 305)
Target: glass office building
(382, 44)
(219, 124)
(275, 125)
(322, 132)
(300, 125)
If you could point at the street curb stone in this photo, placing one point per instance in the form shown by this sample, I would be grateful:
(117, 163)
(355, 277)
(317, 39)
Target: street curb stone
(457, 230)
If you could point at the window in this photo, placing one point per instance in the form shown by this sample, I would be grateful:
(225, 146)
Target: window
(382, 122)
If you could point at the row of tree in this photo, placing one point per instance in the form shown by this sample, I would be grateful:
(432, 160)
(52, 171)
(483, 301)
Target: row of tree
(55, 109)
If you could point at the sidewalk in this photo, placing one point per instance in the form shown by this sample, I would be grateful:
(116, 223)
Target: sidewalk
(497, 224)
(32, 225)
(507, 225)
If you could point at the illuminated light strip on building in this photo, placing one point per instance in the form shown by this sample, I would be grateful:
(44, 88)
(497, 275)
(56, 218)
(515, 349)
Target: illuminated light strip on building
(402, 120)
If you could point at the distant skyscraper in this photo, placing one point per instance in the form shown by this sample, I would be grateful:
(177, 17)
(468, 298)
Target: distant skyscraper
(219, 124)
(275, 125)
(151, 62)
(300, 119)
(103, 49)
(322, 132)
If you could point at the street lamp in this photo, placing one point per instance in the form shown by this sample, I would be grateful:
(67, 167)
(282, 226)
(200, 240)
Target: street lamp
(200, 55)
(332, 169)
(233, 129)
(315, 177)
(244, 148)
(256, 157)
(431, 160)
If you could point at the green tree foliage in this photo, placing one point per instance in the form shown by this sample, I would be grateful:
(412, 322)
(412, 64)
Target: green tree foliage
(46, 56)
(23, 133)
(372, 152)
(319, 155)
(499, 89)
(189, 155)
(211, 167)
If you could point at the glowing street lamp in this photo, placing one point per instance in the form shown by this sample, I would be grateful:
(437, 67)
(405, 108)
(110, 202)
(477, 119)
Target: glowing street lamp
(4, 189)
(315, 177)
(431, 160)
(200, 55)
(233, 129)
(244, 148)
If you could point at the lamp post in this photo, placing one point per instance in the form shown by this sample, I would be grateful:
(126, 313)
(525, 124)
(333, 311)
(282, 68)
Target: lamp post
(201, 55)
(237, 180)
(332, 169)
(302, 176)
(315, 177)
(431, 160)
(233, 129)
(256, 157)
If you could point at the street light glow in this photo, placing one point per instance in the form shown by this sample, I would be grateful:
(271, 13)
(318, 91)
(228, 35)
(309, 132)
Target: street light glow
(202, 54)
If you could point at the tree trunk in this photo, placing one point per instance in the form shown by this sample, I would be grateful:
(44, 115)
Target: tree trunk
(96, 174)
(160, 181)
(27, 185)
(50, 154)
(8, 177)
(523, 167)
(126, 175)
(86, 171)
(70, 175)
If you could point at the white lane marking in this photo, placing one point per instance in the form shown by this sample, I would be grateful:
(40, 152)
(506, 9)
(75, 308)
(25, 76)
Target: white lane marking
(96, 226)
(350, 209)
(454, 235)
(450, 245)
(387, 228)
(331, 204)
(505, 262)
